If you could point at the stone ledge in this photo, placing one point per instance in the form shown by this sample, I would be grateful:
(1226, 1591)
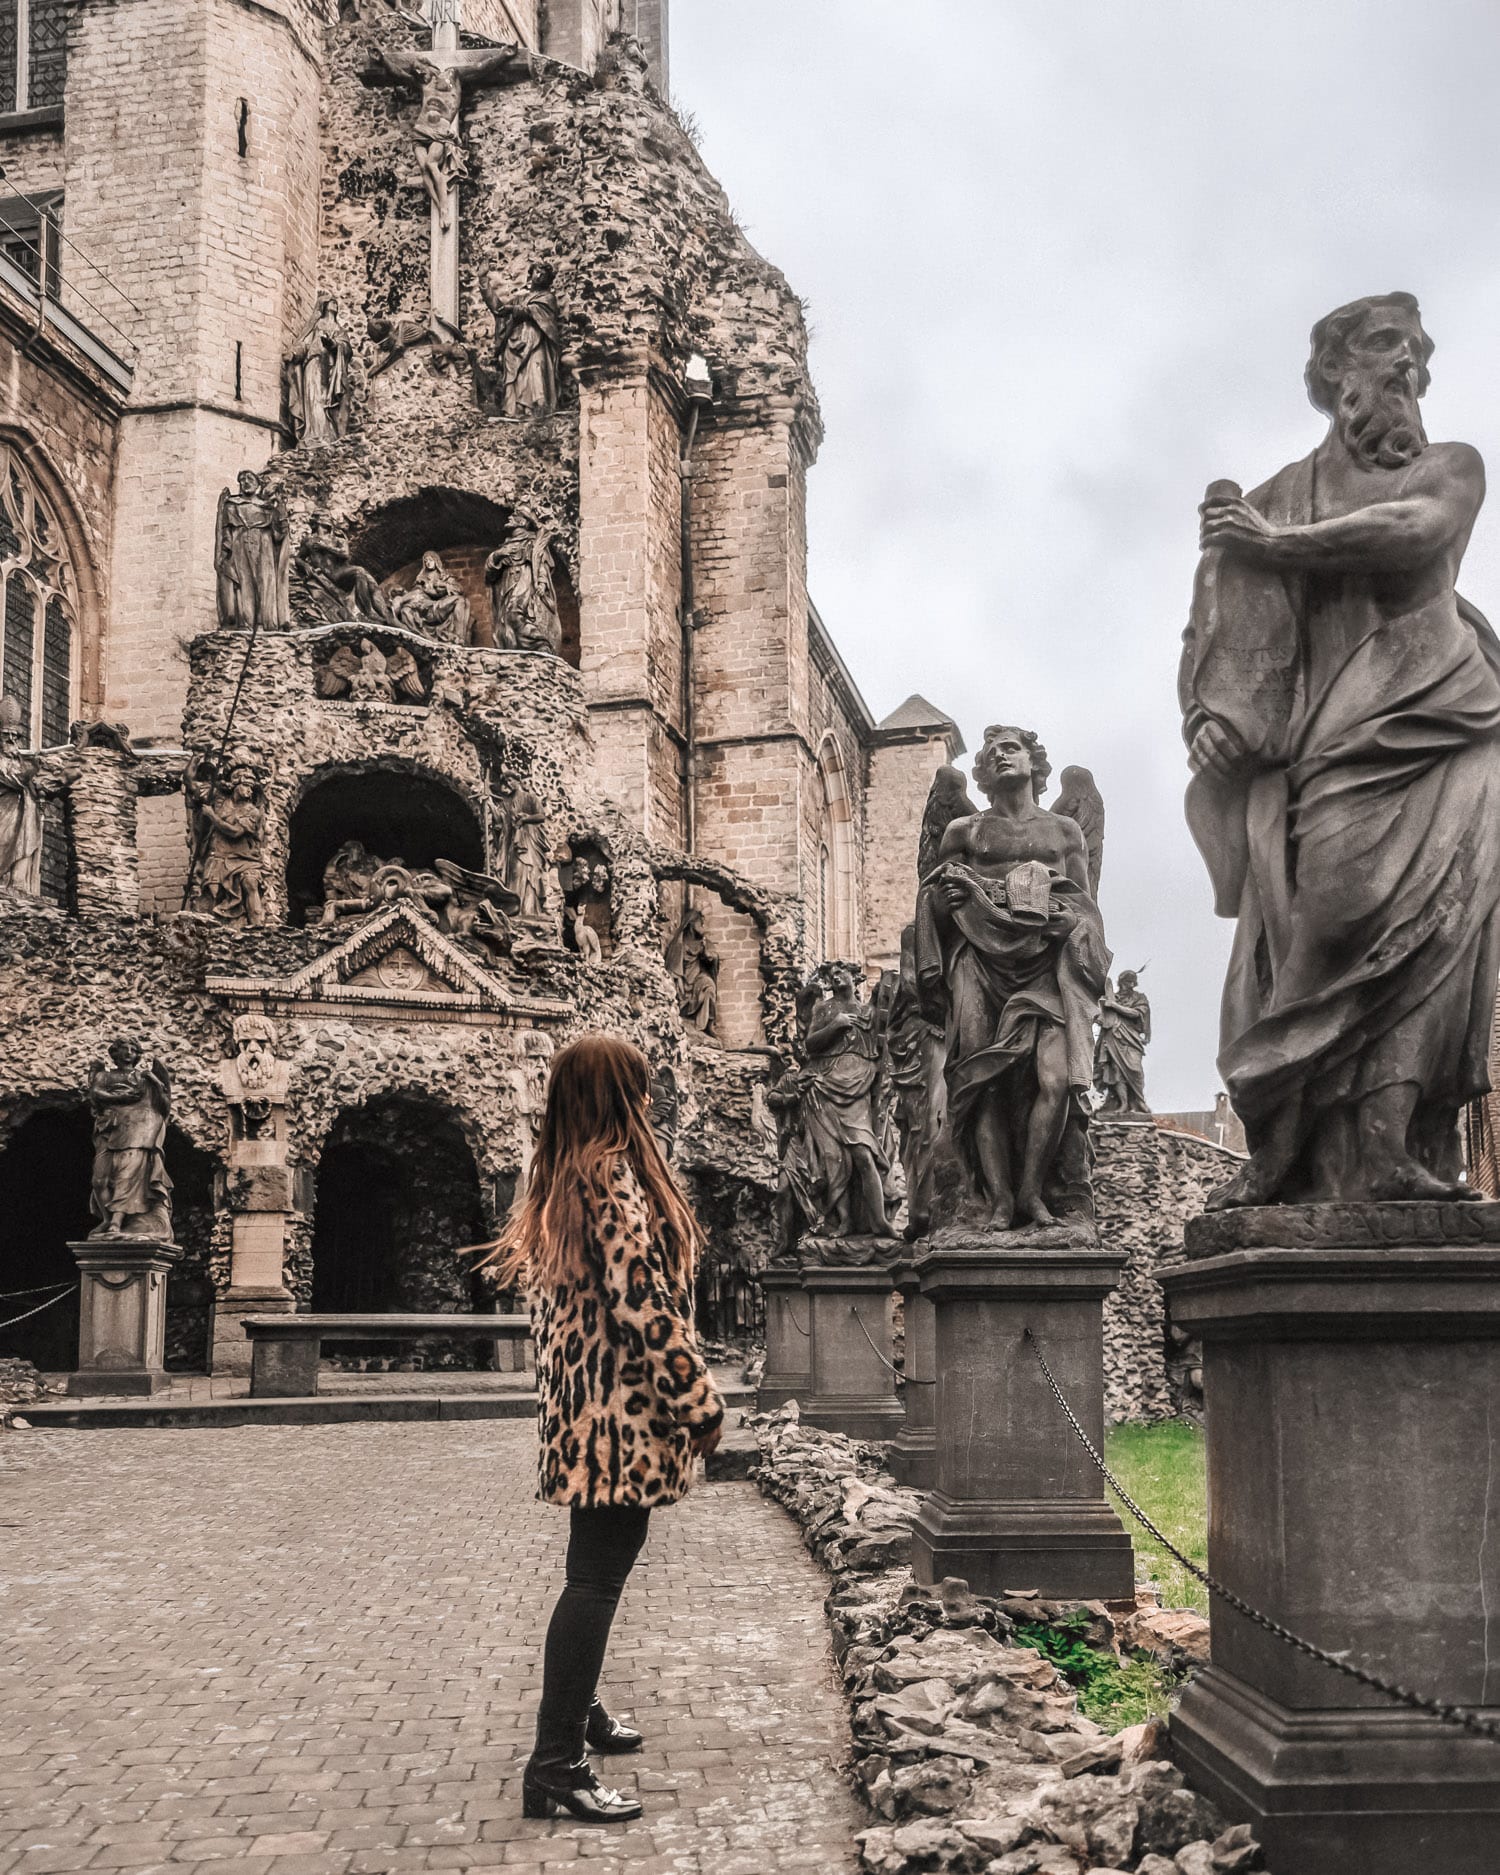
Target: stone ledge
(1350, 1226)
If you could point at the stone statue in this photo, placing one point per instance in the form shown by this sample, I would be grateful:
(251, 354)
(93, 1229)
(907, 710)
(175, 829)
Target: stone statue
(522, 838)
(477, 911)
(585, 937)
(692, 959)
(131, 1101)
(529, 1090)
(255, 1079)
(316, 378)
(947, 801)
(1011, 959)
(392, 676)
(347, 880)
(528, 346)
(1341, 705)
(523, 587)
(329, 586)
(229, 815)
(919, 1105)
(250, 558)
(1120, 1056)
(840, 1113)
(1080, 801)
(20, 805)
(434, 606)
(794, 1210)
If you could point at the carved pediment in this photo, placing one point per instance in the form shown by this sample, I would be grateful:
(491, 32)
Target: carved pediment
(396, 961)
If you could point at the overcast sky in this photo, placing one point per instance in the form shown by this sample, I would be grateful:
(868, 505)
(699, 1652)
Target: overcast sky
(1061, 259)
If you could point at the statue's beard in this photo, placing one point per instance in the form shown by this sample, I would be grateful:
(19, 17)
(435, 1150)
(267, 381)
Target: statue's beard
(1380, 421)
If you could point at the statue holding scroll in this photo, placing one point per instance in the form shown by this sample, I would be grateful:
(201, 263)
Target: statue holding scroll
(1341, 704)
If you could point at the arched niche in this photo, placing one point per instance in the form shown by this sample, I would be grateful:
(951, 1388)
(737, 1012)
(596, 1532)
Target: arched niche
(465, 528)
(834, 886)
(395, 810)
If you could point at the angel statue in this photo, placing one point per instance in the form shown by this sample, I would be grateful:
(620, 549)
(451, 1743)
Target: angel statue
(479, 911)
(250, 558)
(370, 674)
(1080, 801)
(1010, 959)
(131, 1194)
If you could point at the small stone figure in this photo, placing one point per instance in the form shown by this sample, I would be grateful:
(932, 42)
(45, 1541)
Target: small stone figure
(477, 911)
(392, 676)
(316, 378)
(230, 819)
(585, 937)
(20, 805)
(840, 1112)
(1341, 706)
(694, 962)
(1010, 958)
(434, 606)
(250, 558)
(347, 880)
(919, 1105)
(528, 1079)
(522, 838)
(1120, 1058)
(523, 588)
(1081, 802)
(131, 1193)
(528, 347)
(329, 586)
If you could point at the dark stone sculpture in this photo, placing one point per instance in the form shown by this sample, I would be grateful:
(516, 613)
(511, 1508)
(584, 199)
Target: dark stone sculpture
(522, 379)
(794, 1210)
(523, 588)
(1080, 801)
(477, 913)
(327, 585)
(1120, 1057)
(694, 962)
(434, 606)
(1010, 958)
(20, 805)
(1341, 704)
(520, 839)
(841, 1109)
(229, 818)
(131, 1100)
(919, 1103)
(316, 378)
(250, 558)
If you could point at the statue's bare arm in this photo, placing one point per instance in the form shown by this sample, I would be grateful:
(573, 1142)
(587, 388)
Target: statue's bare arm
(1441, 495)
(387, 67)
(1075, 855)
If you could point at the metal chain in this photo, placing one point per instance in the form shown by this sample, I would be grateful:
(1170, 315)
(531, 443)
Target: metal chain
(37, 1289)
(804, 1332)
(1403, 1695)
(909, 1380)
(38, 1309)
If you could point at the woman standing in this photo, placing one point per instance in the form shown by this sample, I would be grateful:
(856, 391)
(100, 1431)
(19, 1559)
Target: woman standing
(605, 1244)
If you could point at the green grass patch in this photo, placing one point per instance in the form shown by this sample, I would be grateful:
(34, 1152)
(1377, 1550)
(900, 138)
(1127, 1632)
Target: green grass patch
(1113, 1693)
(1162, 1467)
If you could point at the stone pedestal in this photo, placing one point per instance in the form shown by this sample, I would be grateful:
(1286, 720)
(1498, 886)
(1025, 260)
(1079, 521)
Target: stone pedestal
(852, 1387)
(788, 1369)
(913, 1456)
(1352, 1381)
(122, 1314)
(1016, 1502)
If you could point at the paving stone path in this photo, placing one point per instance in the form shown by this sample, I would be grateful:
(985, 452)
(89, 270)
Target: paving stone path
(315, 1651)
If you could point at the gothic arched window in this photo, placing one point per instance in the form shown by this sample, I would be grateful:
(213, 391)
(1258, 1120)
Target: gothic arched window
(38, 608)
(838, 929)
(33, 48)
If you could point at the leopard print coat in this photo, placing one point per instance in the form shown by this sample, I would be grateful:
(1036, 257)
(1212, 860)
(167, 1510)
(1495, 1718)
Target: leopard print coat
(621, 1387)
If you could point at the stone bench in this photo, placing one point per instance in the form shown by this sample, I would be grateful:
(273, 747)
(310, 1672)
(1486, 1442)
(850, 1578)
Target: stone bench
(285, 1348)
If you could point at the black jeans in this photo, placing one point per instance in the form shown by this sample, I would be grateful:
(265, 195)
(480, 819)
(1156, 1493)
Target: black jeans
(603, 1544)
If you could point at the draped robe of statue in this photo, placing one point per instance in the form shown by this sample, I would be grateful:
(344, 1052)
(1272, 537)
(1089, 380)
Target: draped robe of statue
(130, 1183)
(20, 822)
(526, 360)
(317, 380)
(997, 977)
(1120, 1064)
(839, 1086)
(1372, 810)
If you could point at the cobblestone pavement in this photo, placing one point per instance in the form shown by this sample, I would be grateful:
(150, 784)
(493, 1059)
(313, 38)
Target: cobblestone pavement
(300, 1650)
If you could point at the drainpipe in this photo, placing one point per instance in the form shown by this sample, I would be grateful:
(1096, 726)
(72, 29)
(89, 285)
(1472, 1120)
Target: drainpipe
(699, 390)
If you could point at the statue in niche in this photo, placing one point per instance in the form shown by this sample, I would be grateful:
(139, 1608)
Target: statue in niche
(440, 78)
(131, 1101)
(522, 380)
(1120, 1055)
(584, 882)
(316, 378)
(370, 674)
(329, 586)
(478, 912)
(1341, 706)
(21, 793)
(523, 587)
(434, 606)
(347, 881)
(1081, 802)
(692, 959)
(250, 558)
(841, 1109)
(585, 937)
(229, 816)
(919, 1105)
(521, 836)
(1011, 960)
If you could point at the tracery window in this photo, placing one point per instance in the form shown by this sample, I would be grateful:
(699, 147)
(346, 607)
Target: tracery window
(38, 608)
(33, 50)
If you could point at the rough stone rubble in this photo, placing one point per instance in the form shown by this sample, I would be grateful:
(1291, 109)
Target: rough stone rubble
(970, 1749)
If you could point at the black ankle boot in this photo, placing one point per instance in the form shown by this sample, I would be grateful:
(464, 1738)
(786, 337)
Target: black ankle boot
(607, 1735)
(545, 1790)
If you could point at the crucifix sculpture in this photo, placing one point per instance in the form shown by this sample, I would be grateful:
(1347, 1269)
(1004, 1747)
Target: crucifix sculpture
(441, 75)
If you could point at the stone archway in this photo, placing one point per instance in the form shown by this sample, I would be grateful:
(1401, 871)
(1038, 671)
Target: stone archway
(397, 1198)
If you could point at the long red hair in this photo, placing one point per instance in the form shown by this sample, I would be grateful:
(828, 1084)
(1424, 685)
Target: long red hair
(598, 1113)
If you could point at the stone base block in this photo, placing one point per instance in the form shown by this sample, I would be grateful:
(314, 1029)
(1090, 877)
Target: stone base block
(853, 1382)
(1064, 1549)
(119, 1383)
(788, 1369)
(231, 1348)
(913, 1457)
(876, 1418)
(1379, 1792)
(121, 1315)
